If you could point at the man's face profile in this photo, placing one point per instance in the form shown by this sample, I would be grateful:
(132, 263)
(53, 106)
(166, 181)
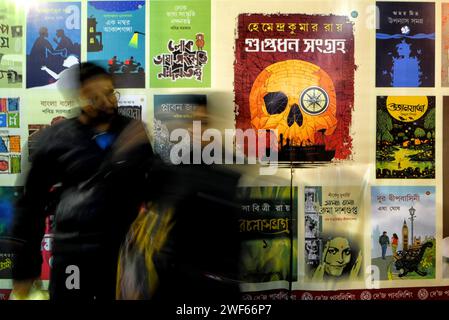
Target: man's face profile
(99, 98)
(337, 257)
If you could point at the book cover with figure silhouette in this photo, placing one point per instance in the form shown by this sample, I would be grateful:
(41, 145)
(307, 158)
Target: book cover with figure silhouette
(333, 247)
(268, 229)
(405, 137)
(11, 44)
(53, 42)
(116, 40)
(403, 229)
(405, 44)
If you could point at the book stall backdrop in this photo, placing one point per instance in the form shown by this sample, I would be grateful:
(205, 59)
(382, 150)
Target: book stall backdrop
(356, 93)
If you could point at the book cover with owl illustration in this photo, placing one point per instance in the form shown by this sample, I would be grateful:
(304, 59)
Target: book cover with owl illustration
(294, 73)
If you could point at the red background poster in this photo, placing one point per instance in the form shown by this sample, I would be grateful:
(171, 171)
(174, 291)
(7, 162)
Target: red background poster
(316, 51)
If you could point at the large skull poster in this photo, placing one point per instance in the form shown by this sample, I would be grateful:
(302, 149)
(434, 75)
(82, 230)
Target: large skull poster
(294, 74)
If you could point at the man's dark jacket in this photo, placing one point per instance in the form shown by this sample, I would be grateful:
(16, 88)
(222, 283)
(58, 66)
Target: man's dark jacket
(98, 195)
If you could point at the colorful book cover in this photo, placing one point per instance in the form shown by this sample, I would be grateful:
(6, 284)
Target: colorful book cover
(268, 229)
(173, 112)
(445, 189)
(294, 73)
(405, 137)
(9, 113)
(333, 242)
(180, 44)
(11, 44)
(403, 232)
(8, 198)
(10, 156)
(116, 40)
(405, 44)
(133, 106)
(6, 264)
(53, 42)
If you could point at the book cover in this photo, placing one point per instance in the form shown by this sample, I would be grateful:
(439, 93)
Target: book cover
(52, 42)
(294, 73)
(11, 44)
(333, 219)
(116, 40)
(269, 233)
(403, 232)
(405, 44)
(180, 44)
(405, 137)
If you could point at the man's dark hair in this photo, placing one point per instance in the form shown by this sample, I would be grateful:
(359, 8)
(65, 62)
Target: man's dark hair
(89, 70)
(43, 31)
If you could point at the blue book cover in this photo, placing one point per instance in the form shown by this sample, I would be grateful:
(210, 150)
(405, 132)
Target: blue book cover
(405, 44)
(116, 40)
(53, 42)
